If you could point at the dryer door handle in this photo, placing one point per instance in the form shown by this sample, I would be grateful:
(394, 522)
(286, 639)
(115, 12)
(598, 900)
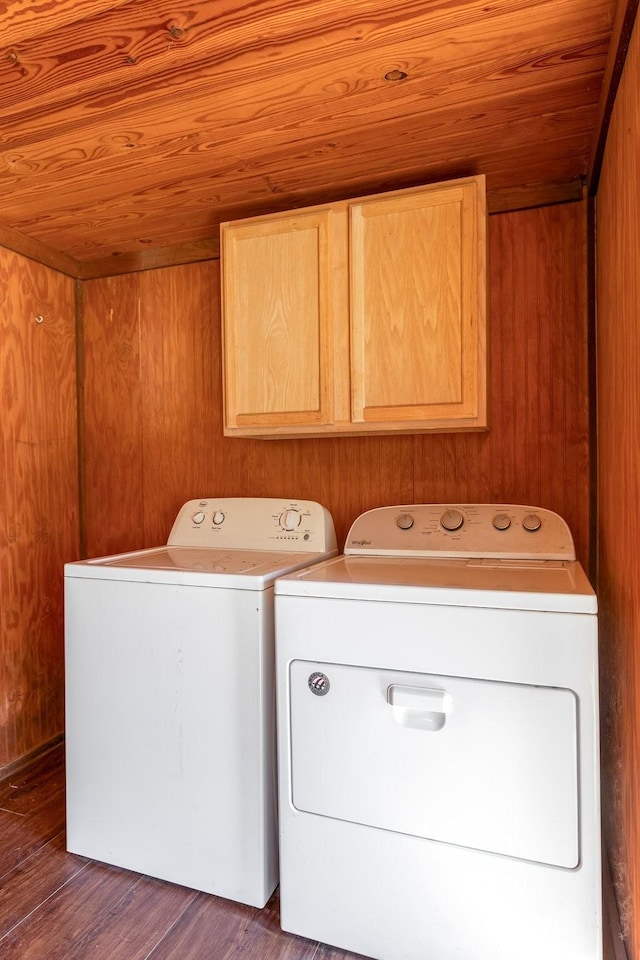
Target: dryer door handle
(425, 708)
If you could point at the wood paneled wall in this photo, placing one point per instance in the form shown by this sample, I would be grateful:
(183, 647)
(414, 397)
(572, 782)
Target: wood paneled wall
(152, 433)
(618, 353)
(38, 497)
(152, 402)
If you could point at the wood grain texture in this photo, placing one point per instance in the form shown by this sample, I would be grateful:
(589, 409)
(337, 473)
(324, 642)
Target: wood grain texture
(537, 451)
(360, 317)
(137, 125)
(622, 29)
(61, 906)
(85, 912)
(150, 372)
(618, 358)
(278, 320)
(419, 304)
(150, 259)
(38, 498)
(20, 243)
(232, 931)
(24, 19)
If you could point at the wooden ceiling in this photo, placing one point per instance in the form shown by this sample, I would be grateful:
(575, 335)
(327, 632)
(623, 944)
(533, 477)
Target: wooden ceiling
(133, 127)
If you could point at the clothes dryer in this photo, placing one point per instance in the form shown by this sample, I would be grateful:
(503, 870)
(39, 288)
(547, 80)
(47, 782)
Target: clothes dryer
(170, 695)
(438, 739)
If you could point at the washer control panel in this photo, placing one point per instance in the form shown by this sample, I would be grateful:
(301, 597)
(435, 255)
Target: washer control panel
(481, 530)
(254, 523)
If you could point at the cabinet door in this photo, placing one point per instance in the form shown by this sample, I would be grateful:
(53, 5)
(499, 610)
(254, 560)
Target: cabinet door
(278, 323)
(418, 308)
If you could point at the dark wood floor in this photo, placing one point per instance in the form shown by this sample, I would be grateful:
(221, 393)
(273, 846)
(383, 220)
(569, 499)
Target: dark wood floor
(58, 906)
(55, 905)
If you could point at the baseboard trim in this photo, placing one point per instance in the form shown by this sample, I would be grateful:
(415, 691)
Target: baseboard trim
(16, 766)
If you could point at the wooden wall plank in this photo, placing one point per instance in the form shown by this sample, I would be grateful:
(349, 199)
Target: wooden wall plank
(537, 311)
(174, 399)
(180, 370)
(38, 499)
(110, 342)
(150, 371)
(618, 401)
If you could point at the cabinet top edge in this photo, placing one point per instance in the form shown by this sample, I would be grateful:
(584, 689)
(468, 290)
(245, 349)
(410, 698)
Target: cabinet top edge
(477, 180)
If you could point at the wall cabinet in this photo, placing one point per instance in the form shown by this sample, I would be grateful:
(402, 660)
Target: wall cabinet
(363, 316)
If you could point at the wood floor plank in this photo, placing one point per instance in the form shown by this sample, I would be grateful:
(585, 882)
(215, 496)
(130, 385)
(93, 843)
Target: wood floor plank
(64, 925)
(21, 836)
(133, 926)
(33, 881)
(216, 929)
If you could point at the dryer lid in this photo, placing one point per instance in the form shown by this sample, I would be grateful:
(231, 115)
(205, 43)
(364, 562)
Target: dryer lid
(509, 584)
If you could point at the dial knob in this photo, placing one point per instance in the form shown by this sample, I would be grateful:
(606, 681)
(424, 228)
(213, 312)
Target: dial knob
(451, 520)
(198, 517)
(405, 521)
(532, 522)
(290, 519)
(218, 517)
(502, 521)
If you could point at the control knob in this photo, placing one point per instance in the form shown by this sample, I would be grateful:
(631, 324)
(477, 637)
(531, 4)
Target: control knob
(198, 517)
(451, 520)
(532, 522)
(405, 521)
(218, 517)
(502, 521)
(290, 519)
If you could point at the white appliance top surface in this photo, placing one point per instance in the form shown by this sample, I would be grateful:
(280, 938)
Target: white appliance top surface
(234, 542)
(474, 565)
(237, 569)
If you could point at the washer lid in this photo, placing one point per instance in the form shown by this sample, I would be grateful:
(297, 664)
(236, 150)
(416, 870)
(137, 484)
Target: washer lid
(551, 585)
(231, 569)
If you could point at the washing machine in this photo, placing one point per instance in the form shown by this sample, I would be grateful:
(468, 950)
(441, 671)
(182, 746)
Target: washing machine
(438, 739)
(170, 695)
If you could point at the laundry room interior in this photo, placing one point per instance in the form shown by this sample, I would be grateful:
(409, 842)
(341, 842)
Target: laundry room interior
(112, 352)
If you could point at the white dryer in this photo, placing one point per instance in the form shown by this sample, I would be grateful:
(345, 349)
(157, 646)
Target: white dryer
(170, 695)
(438, 739)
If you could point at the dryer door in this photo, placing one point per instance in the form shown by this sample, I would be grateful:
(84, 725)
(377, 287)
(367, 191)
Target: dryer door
(477, 763)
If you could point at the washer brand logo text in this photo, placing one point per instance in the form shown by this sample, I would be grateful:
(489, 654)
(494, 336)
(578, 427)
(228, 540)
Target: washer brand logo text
(360, 543)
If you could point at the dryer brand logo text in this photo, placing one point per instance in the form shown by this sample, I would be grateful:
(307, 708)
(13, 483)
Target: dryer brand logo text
(360, 543)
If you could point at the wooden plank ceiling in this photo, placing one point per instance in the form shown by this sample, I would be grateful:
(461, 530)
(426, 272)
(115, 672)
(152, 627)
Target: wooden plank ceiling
(132, 125)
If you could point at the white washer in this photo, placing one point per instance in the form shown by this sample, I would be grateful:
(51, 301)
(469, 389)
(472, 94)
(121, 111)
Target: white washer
(170, 692)
(438, 739)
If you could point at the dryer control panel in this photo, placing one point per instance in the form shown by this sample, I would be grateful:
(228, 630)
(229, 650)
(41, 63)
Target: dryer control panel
(254, 523)
(479, 530)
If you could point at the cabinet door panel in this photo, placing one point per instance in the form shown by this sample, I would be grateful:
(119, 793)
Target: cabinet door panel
(278, 327)
(417, 314)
